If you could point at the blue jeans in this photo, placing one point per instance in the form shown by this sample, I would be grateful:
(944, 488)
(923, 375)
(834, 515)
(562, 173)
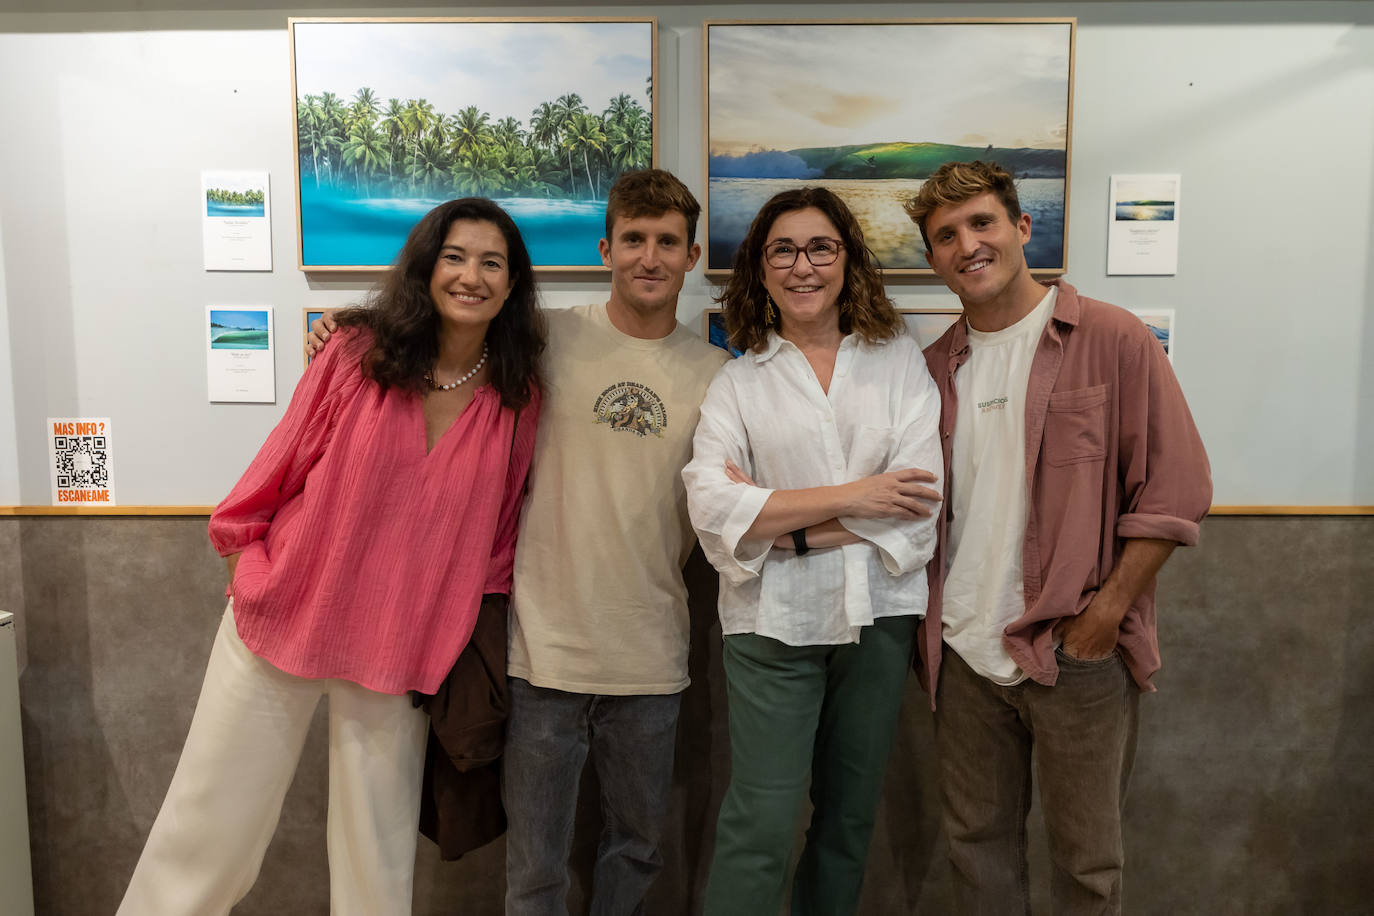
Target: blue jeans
(548, 736)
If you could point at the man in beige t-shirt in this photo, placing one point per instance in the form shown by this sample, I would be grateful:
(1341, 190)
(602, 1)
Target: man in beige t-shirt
(599, 630)
(598, 626)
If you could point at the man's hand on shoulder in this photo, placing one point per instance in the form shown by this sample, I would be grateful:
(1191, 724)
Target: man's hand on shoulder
(320, 330)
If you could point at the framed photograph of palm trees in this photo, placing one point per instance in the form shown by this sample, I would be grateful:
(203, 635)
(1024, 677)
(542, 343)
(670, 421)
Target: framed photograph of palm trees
(871, 108)
(394, 116)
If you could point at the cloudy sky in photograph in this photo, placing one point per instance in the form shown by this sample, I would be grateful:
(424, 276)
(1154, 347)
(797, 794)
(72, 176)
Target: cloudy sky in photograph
(785, 87)
(504, 68)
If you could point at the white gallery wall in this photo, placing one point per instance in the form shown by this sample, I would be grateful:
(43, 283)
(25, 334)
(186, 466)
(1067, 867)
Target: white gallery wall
(1266, 109)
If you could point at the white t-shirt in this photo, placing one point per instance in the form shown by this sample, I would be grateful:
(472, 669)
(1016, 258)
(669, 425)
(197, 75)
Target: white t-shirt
(767, 413)
(598, 604)
(983, 587)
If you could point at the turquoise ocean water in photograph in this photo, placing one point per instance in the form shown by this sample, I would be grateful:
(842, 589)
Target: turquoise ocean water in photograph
(342, 230)
(213, 208)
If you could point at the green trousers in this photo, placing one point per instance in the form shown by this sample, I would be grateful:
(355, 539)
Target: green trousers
(799, 715)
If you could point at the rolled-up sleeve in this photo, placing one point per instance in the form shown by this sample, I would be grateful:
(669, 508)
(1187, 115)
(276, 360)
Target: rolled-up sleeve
(1166, 478)
(907, 545)
(722, 510)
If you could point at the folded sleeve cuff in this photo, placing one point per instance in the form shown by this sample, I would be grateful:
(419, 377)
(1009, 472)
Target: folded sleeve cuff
(747, 555)
(1163, 527)
(230, 538)
(900, 551)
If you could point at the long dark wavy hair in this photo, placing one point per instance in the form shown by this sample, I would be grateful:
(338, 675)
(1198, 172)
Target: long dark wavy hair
(405, 323)
(865, 308)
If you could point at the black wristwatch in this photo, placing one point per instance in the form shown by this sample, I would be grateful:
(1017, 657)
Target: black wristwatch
(799, 541)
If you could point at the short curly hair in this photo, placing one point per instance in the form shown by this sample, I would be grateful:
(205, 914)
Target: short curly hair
(956, 182)
(865, 308)
(651, 192)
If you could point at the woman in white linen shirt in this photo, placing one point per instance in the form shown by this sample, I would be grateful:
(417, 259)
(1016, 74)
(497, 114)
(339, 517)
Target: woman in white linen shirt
(807, 491)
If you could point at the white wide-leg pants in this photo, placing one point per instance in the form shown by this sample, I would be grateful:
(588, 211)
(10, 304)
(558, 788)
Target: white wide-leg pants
(208, 841)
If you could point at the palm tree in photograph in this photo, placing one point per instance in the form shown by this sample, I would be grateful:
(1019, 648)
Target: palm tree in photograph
(428, 165)
(566, 151)
(619, 109)
(310, 133)
(630, 144)
(546, 126)
(394, 126)
(507, 130)
(476, 173)
(332, 116)
(419, 117)
(547, 171)
(629, 135)
(364, 107)
(366, 151)
(586, 135)
(470, 131)
(566, 108)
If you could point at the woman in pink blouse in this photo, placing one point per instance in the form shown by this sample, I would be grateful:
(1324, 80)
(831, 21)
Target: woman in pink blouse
(360, 543)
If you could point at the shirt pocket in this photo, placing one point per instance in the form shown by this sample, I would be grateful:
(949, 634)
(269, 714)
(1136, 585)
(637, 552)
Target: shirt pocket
(1076, 426)
(869, 456)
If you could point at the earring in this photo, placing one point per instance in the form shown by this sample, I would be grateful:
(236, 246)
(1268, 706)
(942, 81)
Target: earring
(768, 313)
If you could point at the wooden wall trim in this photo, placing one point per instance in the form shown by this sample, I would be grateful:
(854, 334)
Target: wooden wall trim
(106, 510)
(1291, 510)
(206, 510)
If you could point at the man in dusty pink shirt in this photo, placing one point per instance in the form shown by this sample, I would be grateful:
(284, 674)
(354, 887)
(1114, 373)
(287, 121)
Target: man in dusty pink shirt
(1073, 469)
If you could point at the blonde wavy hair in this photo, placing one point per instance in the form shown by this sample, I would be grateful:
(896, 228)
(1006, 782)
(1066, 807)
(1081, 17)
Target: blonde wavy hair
(956, 182)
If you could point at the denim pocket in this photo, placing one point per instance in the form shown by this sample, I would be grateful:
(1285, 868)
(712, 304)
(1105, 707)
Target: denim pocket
(1076, 426)
(1065, 658)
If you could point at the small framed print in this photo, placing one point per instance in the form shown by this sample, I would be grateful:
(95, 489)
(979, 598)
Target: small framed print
(307, 316)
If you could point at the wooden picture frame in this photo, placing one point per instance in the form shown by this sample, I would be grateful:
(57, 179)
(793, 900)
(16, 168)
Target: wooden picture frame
(392, 116)
(869, 108)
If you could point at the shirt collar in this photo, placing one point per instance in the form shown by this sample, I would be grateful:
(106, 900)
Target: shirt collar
(770, 347)
(1067, 310)
(776, 341)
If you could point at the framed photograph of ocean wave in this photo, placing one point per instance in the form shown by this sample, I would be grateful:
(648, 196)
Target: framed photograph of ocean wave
(394, 116)
(871, 108)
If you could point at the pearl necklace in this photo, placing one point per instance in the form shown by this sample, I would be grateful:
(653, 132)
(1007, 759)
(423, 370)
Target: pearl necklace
(435, 386)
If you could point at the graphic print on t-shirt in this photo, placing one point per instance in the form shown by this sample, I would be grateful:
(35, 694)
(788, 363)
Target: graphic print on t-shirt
(992, 404)
(633, 407)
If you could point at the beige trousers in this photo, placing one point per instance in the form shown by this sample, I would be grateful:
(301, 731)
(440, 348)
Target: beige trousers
(208, 841)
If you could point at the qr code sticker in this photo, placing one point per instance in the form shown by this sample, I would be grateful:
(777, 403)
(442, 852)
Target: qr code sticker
(82, 462)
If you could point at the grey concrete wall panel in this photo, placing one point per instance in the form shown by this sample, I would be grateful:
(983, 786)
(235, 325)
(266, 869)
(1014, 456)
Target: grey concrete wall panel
(1251, 791)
